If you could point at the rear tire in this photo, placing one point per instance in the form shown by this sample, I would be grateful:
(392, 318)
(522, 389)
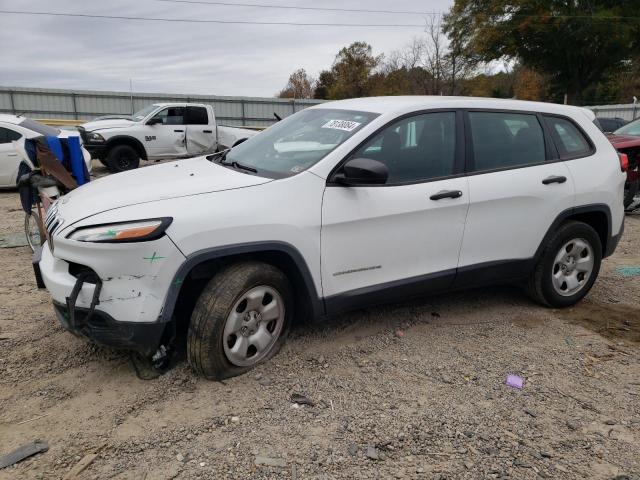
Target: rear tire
(567, 267)
(121, 158)
(241, 319)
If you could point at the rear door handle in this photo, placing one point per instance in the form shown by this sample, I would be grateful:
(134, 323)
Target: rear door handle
(446, 194)
(554, 179)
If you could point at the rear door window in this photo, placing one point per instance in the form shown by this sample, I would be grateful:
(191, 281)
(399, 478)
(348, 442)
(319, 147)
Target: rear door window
(506, 140)
(569, 140)
(8, 136)
(197, 116)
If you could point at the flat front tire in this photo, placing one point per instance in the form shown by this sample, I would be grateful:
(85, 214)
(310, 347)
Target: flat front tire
(567, 267)
(241, 319)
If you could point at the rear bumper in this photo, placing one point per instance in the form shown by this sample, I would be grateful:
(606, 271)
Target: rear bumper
(103, 329)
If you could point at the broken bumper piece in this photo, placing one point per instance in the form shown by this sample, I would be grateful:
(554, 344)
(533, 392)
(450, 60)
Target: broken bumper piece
(103, 329)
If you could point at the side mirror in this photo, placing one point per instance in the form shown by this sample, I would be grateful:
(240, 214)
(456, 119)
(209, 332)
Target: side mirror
(363, 171)
(154, 121)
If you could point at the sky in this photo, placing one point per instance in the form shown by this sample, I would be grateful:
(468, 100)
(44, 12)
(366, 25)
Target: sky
(196, 58)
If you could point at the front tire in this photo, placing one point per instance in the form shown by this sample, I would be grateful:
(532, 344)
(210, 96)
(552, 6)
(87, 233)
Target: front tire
(121, 158)
(568, 266)
(241, 319)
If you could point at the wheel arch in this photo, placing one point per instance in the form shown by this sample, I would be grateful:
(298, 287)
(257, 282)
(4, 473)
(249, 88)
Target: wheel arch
(199, 268)
(126, 140)
(597, 216)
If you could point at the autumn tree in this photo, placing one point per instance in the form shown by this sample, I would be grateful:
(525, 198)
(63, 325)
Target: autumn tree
(575, 44)
(300, 85)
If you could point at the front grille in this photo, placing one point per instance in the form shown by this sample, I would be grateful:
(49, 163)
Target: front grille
(52, 222)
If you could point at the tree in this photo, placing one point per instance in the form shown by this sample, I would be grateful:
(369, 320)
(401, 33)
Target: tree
(323, 85)
(351, 71)
(300, 85)
(573, 43)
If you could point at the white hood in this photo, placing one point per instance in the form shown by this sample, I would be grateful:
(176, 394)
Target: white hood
(159, 182)
(106, 124)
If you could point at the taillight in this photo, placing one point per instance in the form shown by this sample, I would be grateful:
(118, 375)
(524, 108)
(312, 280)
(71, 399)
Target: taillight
(624, 161)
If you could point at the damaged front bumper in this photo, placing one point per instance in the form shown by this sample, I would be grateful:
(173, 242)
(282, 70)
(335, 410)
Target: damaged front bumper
(100, 327)
(112, 294)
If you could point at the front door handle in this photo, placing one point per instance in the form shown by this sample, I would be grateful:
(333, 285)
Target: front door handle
(446, 194)
(207, 131)
(554, 179)
(179, 131)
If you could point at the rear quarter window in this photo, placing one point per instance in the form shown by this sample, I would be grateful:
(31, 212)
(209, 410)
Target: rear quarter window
(569, 139)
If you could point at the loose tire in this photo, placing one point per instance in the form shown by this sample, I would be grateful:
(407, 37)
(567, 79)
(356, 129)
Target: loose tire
(32, 231)
(122, 157)
(241, 319)
(568, 266)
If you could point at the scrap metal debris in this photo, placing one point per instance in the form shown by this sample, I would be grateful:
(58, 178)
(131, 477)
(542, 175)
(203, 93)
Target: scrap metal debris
(25, 451)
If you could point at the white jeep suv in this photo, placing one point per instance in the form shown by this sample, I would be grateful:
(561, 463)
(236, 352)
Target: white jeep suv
(339, 206)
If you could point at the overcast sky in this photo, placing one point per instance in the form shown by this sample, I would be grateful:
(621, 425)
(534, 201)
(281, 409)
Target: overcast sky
(252, 60)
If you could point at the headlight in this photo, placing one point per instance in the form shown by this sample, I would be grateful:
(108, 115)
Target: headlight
(95, 137)
(136, 231)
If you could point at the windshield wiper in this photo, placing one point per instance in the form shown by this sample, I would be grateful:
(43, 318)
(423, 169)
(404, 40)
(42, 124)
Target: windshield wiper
(239, 166)
(221, 156)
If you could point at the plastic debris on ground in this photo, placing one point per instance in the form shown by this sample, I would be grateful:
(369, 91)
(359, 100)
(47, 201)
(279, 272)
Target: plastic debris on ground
(515, 381)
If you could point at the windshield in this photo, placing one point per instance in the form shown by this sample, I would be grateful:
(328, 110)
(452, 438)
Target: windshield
(39, 127)
(141, 114)
(632, 128)
(298, 142)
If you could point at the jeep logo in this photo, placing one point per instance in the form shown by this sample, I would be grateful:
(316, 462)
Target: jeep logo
(149, 138)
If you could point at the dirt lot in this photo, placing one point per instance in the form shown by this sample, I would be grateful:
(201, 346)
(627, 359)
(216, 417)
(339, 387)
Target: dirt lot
(431, 403)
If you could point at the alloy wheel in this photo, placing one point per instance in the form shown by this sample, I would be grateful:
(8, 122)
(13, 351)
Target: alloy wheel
(253, 326)
(572, 267)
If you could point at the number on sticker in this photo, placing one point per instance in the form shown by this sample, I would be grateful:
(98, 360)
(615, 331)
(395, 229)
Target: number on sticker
(346, 125)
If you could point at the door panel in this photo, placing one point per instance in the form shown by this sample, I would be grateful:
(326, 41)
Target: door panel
(8, 165)
(9, 158)
(201, 134)
(511, 211)
(376, 235)
(167, 139)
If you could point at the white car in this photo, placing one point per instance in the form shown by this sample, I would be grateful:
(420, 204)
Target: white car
(15, 129)
(161, 130)
(416, 195)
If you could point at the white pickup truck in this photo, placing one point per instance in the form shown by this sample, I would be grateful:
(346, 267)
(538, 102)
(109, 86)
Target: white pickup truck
(161, 130)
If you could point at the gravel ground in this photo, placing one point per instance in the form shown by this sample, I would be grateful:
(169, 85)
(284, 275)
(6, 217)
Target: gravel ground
(406, 391)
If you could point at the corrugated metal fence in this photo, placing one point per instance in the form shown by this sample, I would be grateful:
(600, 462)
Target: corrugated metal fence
(85, 105)
(627, 111)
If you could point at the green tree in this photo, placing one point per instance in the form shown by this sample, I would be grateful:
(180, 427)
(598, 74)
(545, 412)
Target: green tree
(351, 71)
(572, 43)
(323, 85)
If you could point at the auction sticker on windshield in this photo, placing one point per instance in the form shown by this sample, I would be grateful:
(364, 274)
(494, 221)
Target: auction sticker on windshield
(346, 125)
